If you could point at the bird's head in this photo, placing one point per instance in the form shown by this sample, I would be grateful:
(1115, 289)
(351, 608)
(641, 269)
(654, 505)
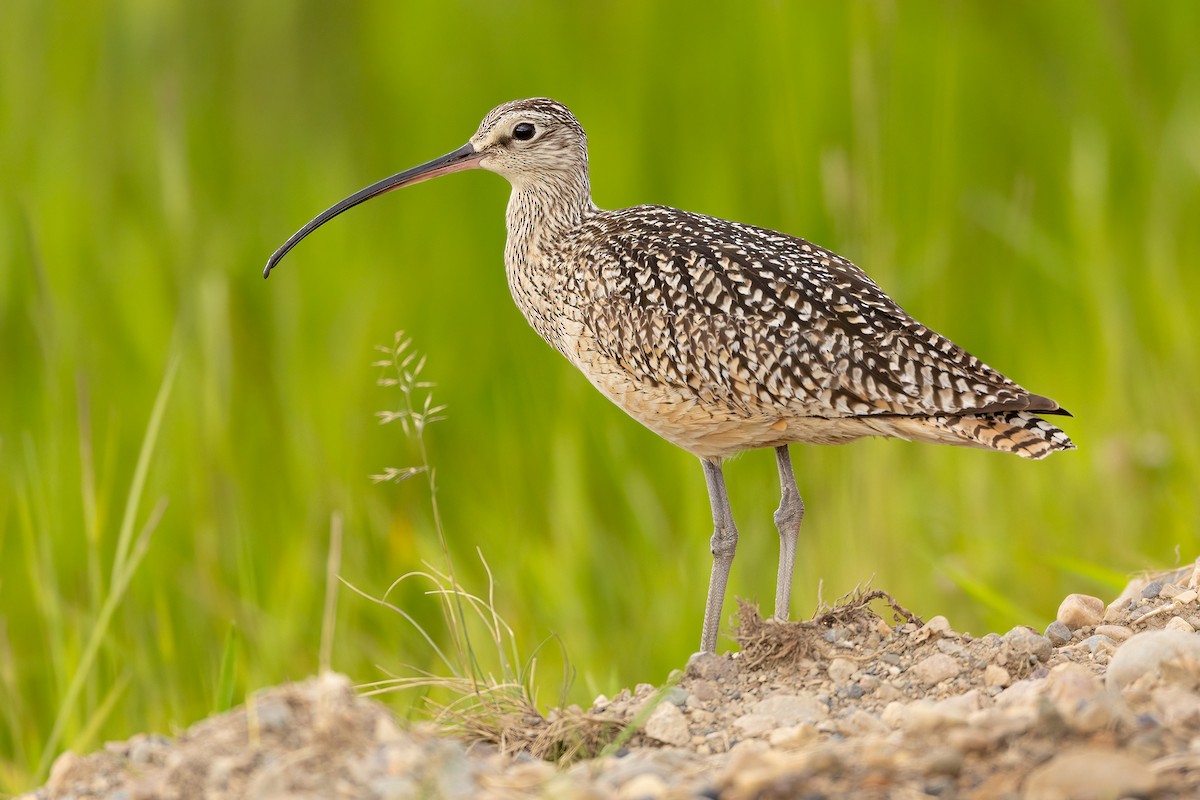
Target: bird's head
(531, 140)
(526, 141)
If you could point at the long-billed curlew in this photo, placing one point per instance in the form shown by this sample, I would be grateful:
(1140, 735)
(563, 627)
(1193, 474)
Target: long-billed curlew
(718, 336)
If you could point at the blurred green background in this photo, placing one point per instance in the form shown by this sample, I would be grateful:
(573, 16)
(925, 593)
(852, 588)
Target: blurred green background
(1021, 177)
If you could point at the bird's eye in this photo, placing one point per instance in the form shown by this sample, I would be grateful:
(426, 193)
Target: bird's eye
(524, 132)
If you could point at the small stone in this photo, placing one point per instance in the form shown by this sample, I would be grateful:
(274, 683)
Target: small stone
(148, 750)
(1152, 589)
(995, 675)
(704, 690)
(1058, 633)
(676, 696)
(1026, 644)
(790, 709)
(886, 692)
(840, 670)
(893, 714)
(836, 634)
(1098, 643)
(926, 716)
(1088, 772)
(935, 669)
(711, 667)
(1170, 590)
(1179, 624)
(1080, 610)
(861, 723)
(1176, 707)
(938, 626)
(950, 647)
(942, 761)
(274, 715)
(1132, 591)
(1171, 656)
(1186, 597)
(644, 786)
(754, 724)
(1080, 699)
(1118, 633)
(667, 725)
(792, 737)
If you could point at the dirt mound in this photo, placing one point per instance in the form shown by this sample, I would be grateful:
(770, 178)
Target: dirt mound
(864, 700)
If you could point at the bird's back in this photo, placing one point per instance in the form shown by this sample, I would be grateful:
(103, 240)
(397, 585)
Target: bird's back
(723, 337)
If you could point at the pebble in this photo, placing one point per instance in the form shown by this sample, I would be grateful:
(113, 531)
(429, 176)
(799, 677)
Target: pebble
(995, 675)
(925, 716)
(1058, 633)
(841, 669)
(1080, 698)
(861, 723)
(676, 696)
(790, 709)
(148, 750)
(1027, 644)
(274, 715)
(950, 647)
(1100, 643)
(792, 737)
(939, 626)
(667, 725)
(1118, 633)
(1118, 607)
(705, 690)
(646, 785)
(754, 724)
(711, 667)
(1170, 655)
(1087, 772)
(1180, 624)
(836, 634)
(942, 761)
(1080, 610)
(1152, 589)
(935, 668)
(1186, 597)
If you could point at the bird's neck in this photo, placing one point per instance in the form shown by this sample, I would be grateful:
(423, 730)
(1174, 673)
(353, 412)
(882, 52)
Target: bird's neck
(542, 213)
(543, 221)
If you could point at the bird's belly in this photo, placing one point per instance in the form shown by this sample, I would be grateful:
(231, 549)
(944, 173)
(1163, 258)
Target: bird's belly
(707, 428)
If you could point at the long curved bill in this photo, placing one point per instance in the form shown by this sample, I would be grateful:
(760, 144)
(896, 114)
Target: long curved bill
(464, 157)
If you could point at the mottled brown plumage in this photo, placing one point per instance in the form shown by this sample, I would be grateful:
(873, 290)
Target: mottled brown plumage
(722, 337)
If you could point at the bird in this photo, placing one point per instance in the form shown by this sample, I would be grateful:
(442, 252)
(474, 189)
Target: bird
(718, 336)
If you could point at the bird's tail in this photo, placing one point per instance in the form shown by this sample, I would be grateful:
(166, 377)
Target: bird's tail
(1020, 432)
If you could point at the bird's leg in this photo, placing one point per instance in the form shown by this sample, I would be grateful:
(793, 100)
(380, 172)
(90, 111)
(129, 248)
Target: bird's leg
(787, 519)
(723, 545)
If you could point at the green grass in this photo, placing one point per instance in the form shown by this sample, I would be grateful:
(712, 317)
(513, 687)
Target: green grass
(1024, 179)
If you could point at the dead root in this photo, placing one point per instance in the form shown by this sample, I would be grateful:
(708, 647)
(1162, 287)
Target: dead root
(512, 723)
(768, 641)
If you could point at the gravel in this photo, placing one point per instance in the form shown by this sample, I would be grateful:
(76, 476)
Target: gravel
(864, 701)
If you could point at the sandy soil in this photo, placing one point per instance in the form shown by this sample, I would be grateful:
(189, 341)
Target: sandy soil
(863, 701)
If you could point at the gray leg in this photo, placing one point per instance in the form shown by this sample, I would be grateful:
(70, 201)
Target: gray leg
(723, 544)
(787, 520)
